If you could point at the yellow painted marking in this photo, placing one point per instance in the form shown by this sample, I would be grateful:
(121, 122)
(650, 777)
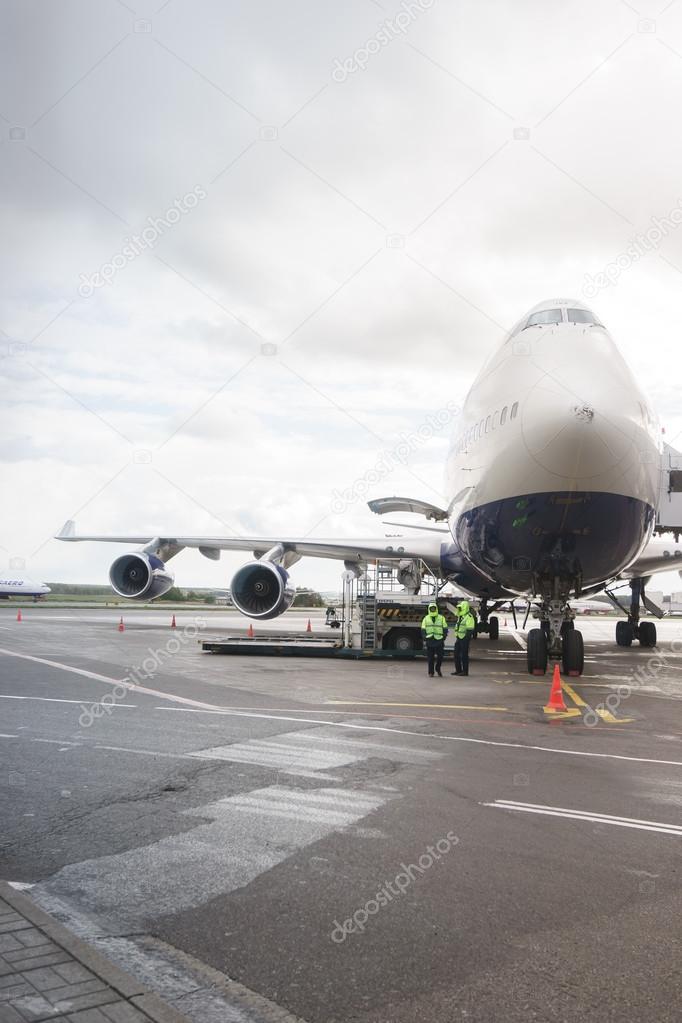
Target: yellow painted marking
(570, 712)
(432, 706)
(578, 700)
(605, 715)
(609, 718)
(601, 685)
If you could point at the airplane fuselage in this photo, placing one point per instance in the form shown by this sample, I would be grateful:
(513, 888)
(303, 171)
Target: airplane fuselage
(554, 469)
(21, 587)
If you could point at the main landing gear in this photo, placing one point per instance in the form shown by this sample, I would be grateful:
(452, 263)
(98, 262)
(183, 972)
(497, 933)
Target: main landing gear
(557, 637)
(632, 629)
(487, 622)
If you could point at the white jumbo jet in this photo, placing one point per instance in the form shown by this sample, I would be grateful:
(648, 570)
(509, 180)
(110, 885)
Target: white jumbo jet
(21, 587)
(557, 480)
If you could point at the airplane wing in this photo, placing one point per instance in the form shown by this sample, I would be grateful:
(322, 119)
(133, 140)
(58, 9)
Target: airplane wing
(352, 550)
(659, 555)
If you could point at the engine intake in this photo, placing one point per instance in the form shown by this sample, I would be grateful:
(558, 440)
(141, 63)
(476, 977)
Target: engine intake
(261, 590)
(140, 577)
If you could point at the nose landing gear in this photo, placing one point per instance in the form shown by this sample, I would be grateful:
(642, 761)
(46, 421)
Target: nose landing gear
(537, 652)
(556, 638)
(573, 653)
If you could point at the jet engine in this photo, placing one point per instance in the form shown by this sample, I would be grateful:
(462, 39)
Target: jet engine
(261, 589)
(140, 576)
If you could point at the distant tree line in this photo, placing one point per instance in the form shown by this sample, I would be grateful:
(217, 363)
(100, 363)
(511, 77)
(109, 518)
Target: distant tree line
(87, 590)
(303, 598)
(177, 595)
(80, 589)
(307, 598)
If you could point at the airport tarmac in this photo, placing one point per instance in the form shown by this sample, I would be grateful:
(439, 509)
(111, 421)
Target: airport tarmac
(348, 840)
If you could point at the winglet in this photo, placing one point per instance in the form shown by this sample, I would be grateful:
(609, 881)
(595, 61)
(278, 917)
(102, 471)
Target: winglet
(68, 530)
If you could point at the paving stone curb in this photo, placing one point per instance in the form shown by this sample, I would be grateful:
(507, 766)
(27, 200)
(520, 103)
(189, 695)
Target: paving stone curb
(125, 985)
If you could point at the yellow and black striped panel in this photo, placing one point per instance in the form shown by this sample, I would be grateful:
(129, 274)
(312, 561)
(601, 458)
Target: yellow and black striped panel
(401, 614)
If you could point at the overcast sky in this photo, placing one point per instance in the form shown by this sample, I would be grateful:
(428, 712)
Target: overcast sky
(359, 199)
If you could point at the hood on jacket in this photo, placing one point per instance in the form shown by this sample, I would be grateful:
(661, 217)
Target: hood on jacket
(463, 607)
(433, 609)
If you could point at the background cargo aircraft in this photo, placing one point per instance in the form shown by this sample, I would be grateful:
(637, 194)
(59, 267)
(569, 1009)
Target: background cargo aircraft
(557, 480)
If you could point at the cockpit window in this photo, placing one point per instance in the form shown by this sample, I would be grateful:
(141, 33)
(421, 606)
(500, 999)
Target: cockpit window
(582, 316)
(544, 316)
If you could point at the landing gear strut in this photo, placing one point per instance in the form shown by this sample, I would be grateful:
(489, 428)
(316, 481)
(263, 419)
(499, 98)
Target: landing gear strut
(487, 623)
(631, 629)
(557, 637)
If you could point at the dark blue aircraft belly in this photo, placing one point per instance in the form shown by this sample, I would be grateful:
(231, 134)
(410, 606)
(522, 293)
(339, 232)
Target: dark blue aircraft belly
(587, 535)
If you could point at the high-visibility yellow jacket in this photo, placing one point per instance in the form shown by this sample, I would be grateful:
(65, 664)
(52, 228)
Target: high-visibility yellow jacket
(434, 626)
(466, 623)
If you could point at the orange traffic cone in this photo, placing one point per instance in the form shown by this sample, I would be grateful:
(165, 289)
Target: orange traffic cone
(19, 618)
(308, 627)
(173, 625)
(249, 631)
(121, 626)
(556, 695)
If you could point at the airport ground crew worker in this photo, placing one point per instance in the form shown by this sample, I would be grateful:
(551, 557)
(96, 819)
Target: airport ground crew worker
(464, 630)
(434, 632)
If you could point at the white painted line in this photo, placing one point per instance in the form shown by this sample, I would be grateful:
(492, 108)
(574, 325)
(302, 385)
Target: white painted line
(586, 815)
(63, 667)
(337, 797)
(333, 820)
(58, 742)
(53, 699)
(114, 681)
(360, 744)
(4, 736)
(146, 752)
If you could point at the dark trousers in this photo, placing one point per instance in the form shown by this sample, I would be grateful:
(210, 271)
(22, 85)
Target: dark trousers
(462, 655)
(434, 654)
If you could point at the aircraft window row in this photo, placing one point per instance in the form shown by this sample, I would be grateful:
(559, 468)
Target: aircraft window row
(491, 422)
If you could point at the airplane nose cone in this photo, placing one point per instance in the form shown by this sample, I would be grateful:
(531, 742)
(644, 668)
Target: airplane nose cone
(575, 436)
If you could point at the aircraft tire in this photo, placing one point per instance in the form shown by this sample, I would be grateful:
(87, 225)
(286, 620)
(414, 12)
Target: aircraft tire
(494, 628)
(624, 634)
(573, 653)
(647, 634)
(537, 652)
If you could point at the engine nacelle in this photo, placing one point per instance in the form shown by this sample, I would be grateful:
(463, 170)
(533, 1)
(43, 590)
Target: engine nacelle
(140, 576)
(261, 590)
